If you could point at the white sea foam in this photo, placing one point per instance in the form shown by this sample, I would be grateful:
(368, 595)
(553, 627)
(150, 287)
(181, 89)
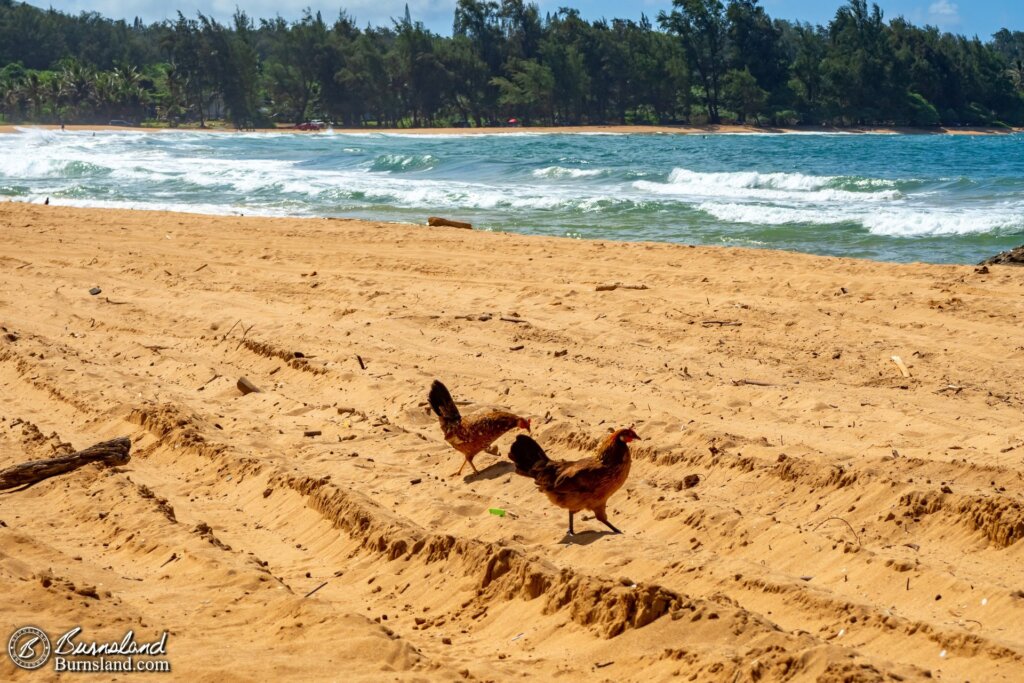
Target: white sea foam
(387, 163)
(760, 214)
(905, 221)
(748, 179)
(752, 185)
(563, 172)
(181, 207)
(936, 223)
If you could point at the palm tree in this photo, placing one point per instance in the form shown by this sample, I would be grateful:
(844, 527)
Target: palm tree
(77, 87)
(130, 96)
(12, 92)
(35, 94)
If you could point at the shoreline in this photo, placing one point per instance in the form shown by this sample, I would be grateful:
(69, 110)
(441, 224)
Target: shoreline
(724, 129)
(313, 524)
(407, 224)
(497, 231)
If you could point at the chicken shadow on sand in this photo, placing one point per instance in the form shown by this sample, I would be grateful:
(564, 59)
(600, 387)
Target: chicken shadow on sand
(492, 471)
(586, 537)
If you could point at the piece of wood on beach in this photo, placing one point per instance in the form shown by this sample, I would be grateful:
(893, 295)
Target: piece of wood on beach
(247, 387)
(315, 590)
(438, 222)
(113, 452)
(721, 323)
(619, 285)
(752, 382)
(901, 365)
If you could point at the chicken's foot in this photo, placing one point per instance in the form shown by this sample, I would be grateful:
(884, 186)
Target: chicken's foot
(455, 474)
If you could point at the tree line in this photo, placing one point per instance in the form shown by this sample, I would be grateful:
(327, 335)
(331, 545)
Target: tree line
(706, 61)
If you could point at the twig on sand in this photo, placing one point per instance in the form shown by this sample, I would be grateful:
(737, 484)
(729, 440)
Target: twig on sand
(619, 285)
(244, 333)
(226, 335)
(116, 303)
(828, 519)
(515, 320)
(200, 268)
(722, 323)
(362, 365)
(752, 382)
(315, 590)
(215, 376)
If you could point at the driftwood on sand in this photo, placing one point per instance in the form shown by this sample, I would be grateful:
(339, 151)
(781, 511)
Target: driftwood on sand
(113, 452)
(437, 221)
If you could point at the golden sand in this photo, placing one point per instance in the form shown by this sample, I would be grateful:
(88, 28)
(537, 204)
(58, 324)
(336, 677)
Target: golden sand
(849, 524)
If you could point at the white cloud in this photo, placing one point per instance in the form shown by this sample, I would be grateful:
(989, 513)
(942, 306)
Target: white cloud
(944, 13)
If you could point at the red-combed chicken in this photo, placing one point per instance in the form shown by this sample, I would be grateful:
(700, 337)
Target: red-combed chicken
(576, 485)
(472, 434)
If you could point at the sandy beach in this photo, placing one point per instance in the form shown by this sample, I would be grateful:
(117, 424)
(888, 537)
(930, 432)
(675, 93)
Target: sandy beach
(850, 523)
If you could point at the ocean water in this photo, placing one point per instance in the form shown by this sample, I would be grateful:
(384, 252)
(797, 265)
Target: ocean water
(939, 199)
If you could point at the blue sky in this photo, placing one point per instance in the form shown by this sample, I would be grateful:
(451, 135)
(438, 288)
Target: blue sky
(981, 17)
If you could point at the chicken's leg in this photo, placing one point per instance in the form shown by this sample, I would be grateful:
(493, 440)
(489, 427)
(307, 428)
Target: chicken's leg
(470, 461)
(571, 532)
(455, 474)
(602, 517)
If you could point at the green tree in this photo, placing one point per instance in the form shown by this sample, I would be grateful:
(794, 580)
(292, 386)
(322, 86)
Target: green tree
(702, 26)
(742, 94)
(527, 92)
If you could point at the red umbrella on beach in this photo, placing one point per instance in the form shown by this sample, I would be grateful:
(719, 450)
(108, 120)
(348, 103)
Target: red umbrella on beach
(513, 121)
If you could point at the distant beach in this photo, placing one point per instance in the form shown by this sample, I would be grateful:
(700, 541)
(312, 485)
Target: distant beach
(674, 129)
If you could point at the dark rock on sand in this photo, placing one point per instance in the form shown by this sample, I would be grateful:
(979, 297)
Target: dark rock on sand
(1013, 257)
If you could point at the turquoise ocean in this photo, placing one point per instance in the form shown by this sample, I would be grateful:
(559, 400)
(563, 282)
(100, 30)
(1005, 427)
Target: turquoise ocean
(932, 198)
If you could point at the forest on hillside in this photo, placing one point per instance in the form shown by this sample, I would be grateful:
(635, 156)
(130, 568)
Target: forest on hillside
(706, 61)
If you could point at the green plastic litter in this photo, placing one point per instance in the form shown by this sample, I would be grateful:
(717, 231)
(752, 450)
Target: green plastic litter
(497, 511)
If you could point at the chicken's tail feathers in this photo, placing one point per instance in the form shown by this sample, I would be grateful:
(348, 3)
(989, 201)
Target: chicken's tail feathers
(442, 403)
(526, 454)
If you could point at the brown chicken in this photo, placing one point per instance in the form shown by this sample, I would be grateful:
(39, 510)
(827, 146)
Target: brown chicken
(585, 484)
(472, 434)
